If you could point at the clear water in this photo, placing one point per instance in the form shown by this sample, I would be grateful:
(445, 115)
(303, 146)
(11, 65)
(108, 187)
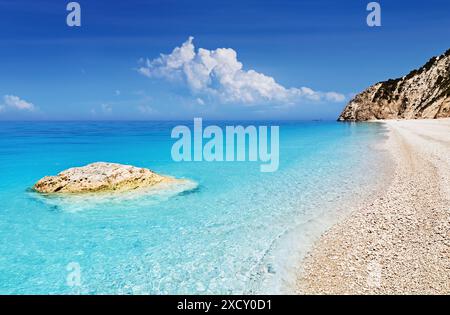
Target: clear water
(238, 231)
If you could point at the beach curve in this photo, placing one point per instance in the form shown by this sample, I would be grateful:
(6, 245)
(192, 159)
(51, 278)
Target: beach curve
(400, 242)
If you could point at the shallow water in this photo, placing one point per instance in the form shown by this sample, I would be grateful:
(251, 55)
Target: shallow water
(235, 231)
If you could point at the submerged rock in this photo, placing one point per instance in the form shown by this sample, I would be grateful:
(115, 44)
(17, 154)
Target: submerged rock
(100, 177)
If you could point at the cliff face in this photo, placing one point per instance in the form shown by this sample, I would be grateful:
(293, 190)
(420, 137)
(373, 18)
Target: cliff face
(423, 93)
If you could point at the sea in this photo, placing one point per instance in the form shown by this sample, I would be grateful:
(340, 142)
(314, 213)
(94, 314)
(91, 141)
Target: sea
(234, 230)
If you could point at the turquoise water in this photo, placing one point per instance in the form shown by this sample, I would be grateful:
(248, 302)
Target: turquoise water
(237, 231)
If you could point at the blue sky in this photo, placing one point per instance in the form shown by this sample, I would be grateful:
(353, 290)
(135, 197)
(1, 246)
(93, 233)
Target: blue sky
(49, 71)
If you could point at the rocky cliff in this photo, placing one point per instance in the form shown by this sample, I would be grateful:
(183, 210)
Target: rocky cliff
(423, 93)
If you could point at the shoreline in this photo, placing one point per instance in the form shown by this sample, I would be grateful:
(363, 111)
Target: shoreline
(297, 241)
(398, 243)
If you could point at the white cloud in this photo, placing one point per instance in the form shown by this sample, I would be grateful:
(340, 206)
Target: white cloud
(200, 101)
(16, 102)
(219, 74)
(101, 110)
(106, 108)
(334, 97)
(145, 109)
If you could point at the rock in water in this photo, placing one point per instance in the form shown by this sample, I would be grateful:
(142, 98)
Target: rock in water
(100, 177)
(423, 93)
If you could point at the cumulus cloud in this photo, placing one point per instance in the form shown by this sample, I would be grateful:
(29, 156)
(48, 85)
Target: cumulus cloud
(145, 109)
(102, 109)
(218, 73)
(16, 102)
(106, 108)
(200, 101)
(334, 97)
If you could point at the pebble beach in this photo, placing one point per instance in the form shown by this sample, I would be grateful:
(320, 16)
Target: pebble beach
(399, 242)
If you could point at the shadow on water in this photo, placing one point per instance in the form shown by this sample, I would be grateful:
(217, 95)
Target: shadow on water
(189, 191)
(129, 199)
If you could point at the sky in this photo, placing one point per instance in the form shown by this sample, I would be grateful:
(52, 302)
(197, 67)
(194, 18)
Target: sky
(170, 60)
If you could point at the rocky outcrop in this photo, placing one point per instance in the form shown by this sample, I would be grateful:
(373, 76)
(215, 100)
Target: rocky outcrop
(423, 93)
(100, 177)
